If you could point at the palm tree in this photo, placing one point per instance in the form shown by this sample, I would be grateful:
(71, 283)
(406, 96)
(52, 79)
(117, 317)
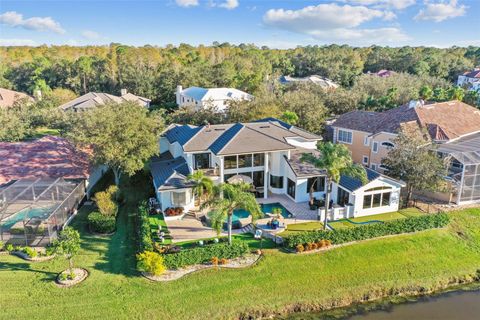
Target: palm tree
(226, 199)
(337, 161)
(203, 185)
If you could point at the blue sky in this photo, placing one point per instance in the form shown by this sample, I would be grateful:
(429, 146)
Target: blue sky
(275, 23)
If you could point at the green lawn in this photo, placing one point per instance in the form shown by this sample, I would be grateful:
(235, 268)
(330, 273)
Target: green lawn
(401, 214)
(156, 221)
(43, 131)
(300, 227)
(279, 282)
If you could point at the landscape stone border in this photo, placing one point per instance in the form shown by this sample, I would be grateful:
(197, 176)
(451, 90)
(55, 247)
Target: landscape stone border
(237, 263)
(80, 275)
(25, 256)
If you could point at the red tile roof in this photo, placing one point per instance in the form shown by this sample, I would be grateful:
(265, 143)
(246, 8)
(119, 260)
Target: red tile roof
(46, 157)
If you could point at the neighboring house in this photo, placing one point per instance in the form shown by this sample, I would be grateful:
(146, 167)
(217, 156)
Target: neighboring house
(370, 135)
(9, 97)
(47, 157)
(42, 183)
(215, 98)
(268, 152)
(93, 99)
(382, 73)
(315, 79)
(470, 80)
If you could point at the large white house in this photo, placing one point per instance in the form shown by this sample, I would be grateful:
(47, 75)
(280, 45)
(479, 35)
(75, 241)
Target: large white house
(268, 152)
(470, 80)
(215, 98)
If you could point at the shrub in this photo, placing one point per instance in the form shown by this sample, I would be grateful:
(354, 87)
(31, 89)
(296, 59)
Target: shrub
(214, 261)
(144, 231)
(101, 223)
(300, 247)
(32, 253)
(410, 224)
(150, 262)
(9, 247)
(105, 201)
(204, 254)
(223, 261)
(1, 245)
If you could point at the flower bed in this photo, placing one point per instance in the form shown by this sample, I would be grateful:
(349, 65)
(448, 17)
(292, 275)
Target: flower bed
(174, 213)
(340, 236)
(65, 279)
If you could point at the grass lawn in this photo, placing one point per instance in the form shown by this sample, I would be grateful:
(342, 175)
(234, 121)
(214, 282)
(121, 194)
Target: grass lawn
(155, 221)
(300, 227)
(401, 214)
(44, 131)
(114, 289)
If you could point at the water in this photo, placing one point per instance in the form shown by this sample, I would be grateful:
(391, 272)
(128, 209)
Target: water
(266, 208)
(41, 213)
(464, 305)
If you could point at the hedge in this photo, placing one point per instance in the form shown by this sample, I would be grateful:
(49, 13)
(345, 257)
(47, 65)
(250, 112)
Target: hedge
(205, 254)
(410, 224)
(101, 223)
(144, 231)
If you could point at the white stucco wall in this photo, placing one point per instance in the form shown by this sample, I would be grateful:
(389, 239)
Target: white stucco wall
(165, 199)
(95, 175)
(394, 199)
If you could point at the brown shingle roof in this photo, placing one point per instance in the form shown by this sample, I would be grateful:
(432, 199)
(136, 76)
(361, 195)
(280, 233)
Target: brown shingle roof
(46, 157)
(8, 97)
(443, 120)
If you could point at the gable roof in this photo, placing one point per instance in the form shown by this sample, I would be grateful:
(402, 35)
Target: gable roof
(95, 99)
(49, 156)
(353, 184)
(443, 120)
(8, 97)
(268, 135)
(169, 173)
(472, 74)
(205, 94)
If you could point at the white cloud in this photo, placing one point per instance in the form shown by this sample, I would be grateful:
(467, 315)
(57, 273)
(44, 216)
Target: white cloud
(14, 19)
(17, 42)
(187, 3)
(229, 4)
(439, 11)
(390, 4)
(90, 35)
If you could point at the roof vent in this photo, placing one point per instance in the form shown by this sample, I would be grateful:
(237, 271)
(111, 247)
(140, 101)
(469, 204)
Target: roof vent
(219, 129)
(264, 127)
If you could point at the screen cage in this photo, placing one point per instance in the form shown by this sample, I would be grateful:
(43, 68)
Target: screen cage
(32, 211)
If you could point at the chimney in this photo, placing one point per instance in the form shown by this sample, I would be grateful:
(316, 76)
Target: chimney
(178, 94)
(123, 92)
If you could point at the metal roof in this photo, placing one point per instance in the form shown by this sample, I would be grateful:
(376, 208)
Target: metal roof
(225, 138)
(353, 184)
(169, 173)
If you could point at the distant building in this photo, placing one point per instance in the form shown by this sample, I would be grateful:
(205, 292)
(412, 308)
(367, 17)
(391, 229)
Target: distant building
(94, 99)
(315, 79)
(470, 80)
(217, 98)
(9, 97)
(382, 73)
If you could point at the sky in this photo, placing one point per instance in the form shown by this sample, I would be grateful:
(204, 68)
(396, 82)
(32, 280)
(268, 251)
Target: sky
(274, 23)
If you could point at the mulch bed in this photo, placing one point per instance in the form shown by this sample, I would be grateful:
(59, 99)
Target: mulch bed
(237, 263)
(25, 256)
(80, 275)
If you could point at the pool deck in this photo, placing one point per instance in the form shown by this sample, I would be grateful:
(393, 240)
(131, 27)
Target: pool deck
(300, 211)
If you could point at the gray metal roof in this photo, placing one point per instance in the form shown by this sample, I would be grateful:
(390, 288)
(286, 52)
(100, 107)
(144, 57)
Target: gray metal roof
(353, 184)
(169, 173)
(466, 149)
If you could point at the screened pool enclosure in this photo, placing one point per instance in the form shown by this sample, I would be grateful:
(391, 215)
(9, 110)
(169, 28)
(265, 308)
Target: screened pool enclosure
(32, 211)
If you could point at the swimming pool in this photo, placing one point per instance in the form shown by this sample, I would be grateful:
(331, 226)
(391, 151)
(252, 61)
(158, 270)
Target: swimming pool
(266, 208)
(41, 213)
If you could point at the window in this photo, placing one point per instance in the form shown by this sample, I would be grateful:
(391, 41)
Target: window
(245, 161)
(258, 159)
(258, 178)
(344, 136)
(378, 188)
(367, 201)
(318, 184)
(342, 197)
(366, 141)
(201, 161)
(180, 199)
(377, 199)
(291, 188)
(375, 147)
(373, 166)
(276, 181)
(388, 145)
(365, 160)
(230, 162)
(386, 199)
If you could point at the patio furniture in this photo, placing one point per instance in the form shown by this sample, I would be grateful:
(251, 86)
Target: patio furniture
(258, 234)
